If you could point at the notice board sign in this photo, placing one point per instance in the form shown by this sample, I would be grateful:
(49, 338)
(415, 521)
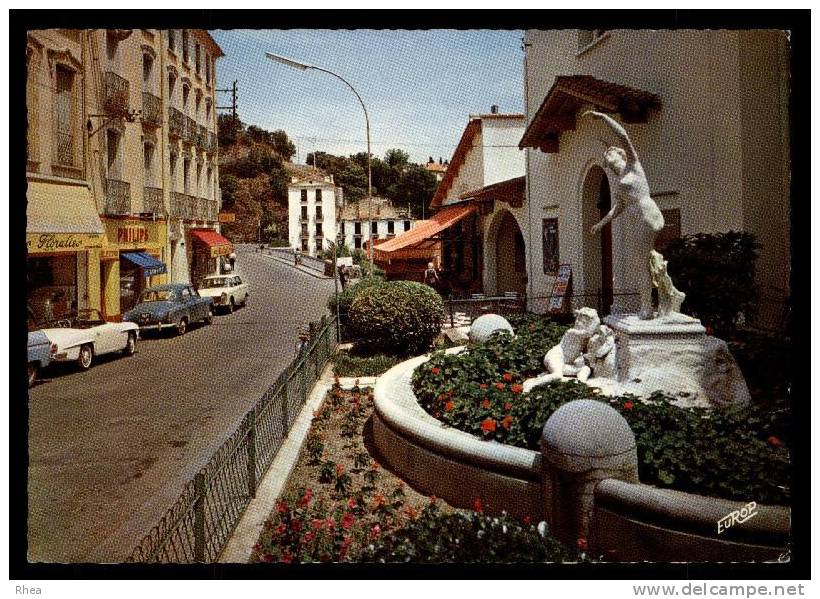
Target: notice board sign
(560, 288)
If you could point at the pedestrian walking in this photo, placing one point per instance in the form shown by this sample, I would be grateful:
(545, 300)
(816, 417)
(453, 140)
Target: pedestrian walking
(431, 276)
(232, 260)
(296, 257)
(344, 275)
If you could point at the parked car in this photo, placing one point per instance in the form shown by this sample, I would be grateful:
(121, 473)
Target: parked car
(84, 334)
(226, 290)
(39, 348)
(171, 306)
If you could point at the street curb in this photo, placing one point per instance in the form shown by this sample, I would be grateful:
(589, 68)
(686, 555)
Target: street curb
(308, 271)
(246, 534)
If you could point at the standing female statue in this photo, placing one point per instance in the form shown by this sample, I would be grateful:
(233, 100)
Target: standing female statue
(631, 197)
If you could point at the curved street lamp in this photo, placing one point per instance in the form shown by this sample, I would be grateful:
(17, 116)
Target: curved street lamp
(304, 67)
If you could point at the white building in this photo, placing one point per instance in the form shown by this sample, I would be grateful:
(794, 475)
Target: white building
(707, 112)
(386, 221)
(313, 202)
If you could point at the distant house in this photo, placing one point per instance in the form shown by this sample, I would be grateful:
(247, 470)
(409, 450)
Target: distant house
(313, 204)
(437, 168)
(474, 237)
(386, 221)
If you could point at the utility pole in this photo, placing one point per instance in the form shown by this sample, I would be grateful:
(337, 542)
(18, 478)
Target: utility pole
(231, 90)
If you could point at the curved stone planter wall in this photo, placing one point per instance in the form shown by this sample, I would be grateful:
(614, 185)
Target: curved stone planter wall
(638, 522)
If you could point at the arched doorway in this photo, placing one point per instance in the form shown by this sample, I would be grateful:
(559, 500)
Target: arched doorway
(597, 289)
(505, 256)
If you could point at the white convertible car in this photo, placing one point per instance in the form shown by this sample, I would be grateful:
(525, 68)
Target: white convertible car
(84, 334)
(227, 291)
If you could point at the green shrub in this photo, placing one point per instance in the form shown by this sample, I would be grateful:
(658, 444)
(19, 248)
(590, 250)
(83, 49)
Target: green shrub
(460, 537)
(716, 271)
(346, 299)
(399, 317)
(738, 453)
(351, 364)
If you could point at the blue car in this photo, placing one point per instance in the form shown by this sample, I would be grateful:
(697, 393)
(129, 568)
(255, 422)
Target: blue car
(174, 306)
(40, 349)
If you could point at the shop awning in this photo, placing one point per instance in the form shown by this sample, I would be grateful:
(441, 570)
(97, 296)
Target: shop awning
(149, 265)
(420, 235)
(571, 93)
(218, 245)
(61, 218)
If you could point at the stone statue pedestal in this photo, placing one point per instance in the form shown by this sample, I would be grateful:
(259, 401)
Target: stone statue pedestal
(673, 354)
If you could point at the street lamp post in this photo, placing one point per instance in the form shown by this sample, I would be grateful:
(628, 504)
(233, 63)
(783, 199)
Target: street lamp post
(304, 67)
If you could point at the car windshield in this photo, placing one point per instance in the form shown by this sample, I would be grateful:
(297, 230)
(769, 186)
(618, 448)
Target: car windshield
(82, 319)
(157, 295)
(212, 283)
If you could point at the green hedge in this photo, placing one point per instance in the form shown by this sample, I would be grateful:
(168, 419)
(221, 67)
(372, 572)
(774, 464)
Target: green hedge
(399, 317)
(346, 299)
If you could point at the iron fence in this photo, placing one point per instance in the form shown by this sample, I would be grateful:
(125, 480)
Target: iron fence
(197, 527)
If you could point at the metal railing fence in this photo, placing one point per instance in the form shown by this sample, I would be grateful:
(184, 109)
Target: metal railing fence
(197, 527)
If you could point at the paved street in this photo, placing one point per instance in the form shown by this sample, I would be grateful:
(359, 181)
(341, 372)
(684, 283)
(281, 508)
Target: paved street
(111, 448)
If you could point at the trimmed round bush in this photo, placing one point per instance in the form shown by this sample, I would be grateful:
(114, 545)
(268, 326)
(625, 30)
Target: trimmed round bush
(346, 299)
(399, 317)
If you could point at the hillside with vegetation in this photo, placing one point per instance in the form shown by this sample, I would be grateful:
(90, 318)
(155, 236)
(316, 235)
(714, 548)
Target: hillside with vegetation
(253, 179)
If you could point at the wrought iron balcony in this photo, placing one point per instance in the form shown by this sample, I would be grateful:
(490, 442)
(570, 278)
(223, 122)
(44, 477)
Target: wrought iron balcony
(152, 200)
(116, 94)
(190, 130)
(202, 137)
(151, 110)
(176, 123)
(208, 209)
(211, 142)
(179, 205)
(117, 197)
(65, 148)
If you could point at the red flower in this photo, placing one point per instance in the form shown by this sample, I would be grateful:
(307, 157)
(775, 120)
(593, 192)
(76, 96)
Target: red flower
(378, 499)
(411, 512)
(507, 377)
(351, 503)
(527, 520)
(267, 558)
(517, 388)
(340, 469)
(629, 405)
(582, 544)
(485, 404)
(774, 441)
(477, 505)
(317, 524)
(448, 406)
(330, 523)
(376, 530)
(296, 525)
(282, 507)
(280, 530)
(309, 536)
(488, 426)
(507, 422)
(499, 386)
(287, 557)
(347, 520)
(483, 385)
(435, 370)
(508, 406)
(305, 500)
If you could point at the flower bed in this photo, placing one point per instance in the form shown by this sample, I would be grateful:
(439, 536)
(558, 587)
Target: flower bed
(734, 453)
(339, 505)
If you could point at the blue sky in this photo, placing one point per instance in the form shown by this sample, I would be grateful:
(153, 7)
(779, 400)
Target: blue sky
(419, 86)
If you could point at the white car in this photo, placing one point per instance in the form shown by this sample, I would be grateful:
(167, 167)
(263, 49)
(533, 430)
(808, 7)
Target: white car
(81, 335)
(227, 291)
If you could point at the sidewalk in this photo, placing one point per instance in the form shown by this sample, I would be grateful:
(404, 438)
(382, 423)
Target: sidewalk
(308, 271)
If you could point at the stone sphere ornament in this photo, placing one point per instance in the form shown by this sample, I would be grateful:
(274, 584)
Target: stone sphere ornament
(484, 326)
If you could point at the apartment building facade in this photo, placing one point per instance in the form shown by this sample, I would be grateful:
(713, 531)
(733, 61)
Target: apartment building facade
(385, 222)
(313, 204)
(125, 188)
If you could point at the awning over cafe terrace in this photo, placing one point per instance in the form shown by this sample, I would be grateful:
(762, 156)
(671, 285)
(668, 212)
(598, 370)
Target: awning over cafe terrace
(218, 245)
(150, 266)
(569, 94)
(419, 241)
(510, 191)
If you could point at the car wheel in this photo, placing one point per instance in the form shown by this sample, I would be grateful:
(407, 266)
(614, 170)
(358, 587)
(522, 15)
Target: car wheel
(210, 318)
(231, 306)
(130, 345)
(86, 357)
(245, 301)
(32, 373)
(182, 326)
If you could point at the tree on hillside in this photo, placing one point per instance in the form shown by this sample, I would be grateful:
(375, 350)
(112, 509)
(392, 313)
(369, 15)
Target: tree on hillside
(282, 145)
(397, 158)
(415, 187)
(228, 130)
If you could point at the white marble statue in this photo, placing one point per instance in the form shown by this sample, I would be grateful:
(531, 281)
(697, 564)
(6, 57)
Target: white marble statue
(567, 358)
(670, 298)
(600, 353)
(642, 217)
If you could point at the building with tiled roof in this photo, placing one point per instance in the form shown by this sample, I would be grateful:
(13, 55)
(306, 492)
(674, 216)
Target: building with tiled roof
(313, 204)
(386, 221)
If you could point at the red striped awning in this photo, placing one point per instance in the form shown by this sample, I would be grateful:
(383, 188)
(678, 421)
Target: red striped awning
(423, 230)
(218, 245)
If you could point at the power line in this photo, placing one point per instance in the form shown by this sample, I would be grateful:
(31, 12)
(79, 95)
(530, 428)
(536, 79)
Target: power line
(233, 107)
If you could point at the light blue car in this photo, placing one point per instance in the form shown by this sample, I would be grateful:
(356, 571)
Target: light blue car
(39, 354)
